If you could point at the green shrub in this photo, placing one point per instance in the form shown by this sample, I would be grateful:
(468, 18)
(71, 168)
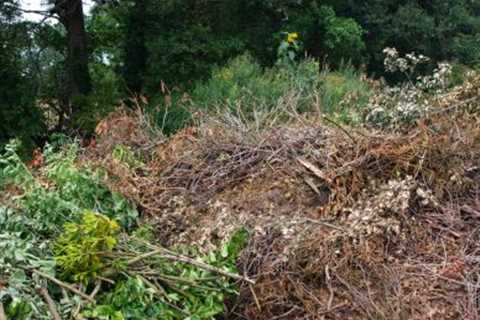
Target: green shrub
(343, 93)
(459, 72)
(171, 116)
(64, 191)
(246, 89)
(244, 85)
(79, 250)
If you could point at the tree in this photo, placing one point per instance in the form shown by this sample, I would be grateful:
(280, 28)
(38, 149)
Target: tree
(135, 49)
(70, 13)
(77, 85)
(18, 113)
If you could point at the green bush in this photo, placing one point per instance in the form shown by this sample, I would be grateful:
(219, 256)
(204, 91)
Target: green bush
(171, 116)
(244, 85)
(246, 89)
(343, 93)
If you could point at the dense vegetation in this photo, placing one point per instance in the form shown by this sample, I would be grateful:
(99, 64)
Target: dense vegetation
(166, 48)
(78, 230)
(129, 134)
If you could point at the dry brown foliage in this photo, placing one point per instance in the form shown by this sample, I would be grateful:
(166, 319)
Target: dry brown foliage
(345, 223)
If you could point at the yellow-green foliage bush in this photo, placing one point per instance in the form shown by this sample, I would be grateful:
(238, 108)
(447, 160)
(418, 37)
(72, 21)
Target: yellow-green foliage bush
(80, 249)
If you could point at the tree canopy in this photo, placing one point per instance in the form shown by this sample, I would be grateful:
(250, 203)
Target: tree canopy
(79, 66)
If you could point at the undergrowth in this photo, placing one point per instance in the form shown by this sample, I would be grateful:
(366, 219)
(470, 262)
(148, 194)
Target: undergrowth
(60, 190)
(246, 89)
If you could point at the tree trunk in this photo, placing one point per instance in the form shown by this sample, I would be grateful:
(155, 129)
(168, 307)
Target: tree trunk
(78, 83)
(135, 49)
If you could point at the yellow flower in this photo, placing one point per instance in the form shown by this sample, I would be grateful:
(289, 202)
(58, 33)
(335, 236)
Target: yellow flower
(291, 37)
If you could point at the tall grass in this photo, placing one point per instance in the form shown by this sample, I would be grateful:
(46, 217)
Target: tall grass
(246, 89)
(343, 93)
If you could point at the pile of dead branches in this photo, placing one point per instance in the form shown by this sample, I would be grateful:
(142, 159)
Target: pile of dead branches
(345, 223)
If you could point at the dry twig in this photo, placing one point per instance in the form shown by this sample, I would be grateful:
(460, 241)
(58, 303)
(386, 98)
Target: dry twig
(50, 303)
(63, 285)
(2, 312)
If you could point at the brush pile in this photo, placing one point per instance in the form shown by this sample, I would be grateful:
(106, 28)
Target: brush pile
(345, 223)
(369, 221)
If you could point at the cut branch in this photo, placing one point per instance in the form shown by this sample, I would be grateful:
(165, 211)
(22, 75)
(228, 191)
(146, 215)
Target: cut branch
(207, 267)
(2, 312)
(63, 285)
(169, 255)
(50, 303)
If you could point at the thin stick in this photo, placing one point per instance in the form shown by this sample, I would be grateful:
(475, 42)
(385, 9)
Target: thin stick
(312, 185)
(145, 255)
(2, 312)
(330, 288)
(207, 267)
(176, 257)
(63, 285)
(95, 290)
(92, 295)
(340, 127)
(106, 280)
(50, 303)
(314, 169)
(250, 286)
(326, 224)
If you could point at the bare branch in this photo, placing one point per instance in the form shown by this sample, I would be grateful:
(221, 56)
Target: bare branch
(63, 285)
(50, 303)
(2, 312)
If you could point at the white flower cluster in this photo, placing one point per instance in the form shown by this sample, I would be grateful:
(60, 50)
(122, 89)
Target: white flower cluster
(393, 62)
(438, 81)
(394, 105)
(411, 100)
